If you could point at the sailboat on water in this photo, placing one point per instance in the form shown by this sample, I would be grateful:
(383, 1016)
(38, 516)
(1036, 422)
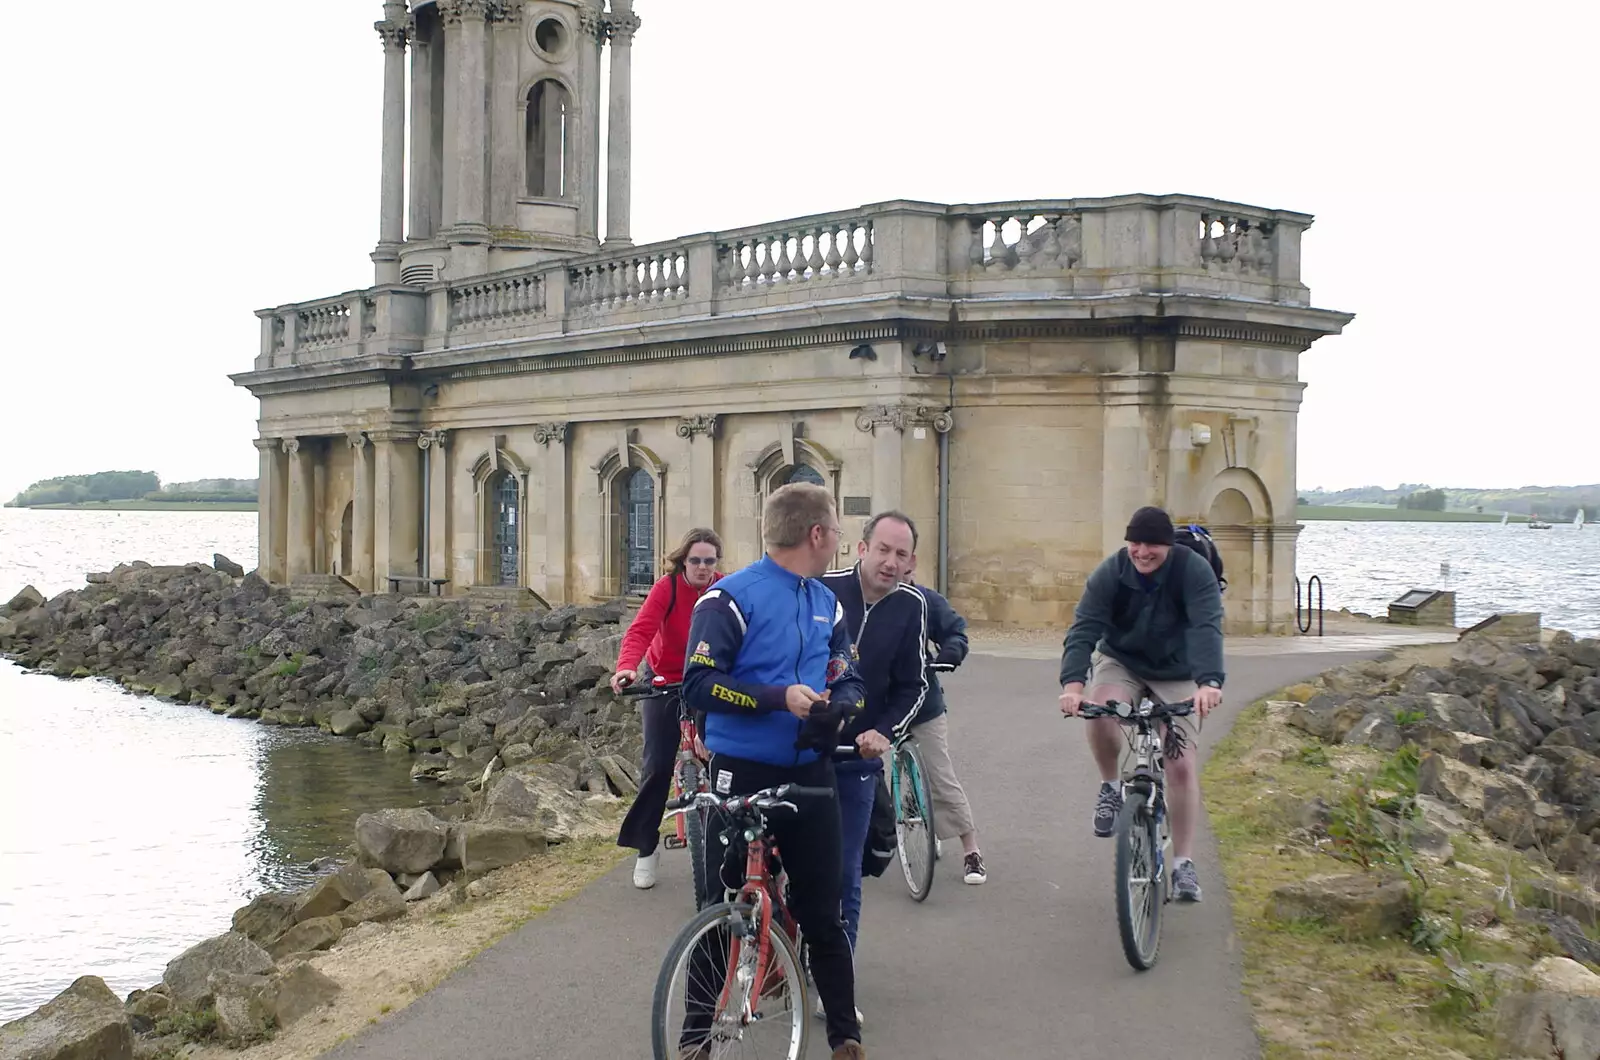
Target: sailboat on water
(1577, 520)
(1505, 517)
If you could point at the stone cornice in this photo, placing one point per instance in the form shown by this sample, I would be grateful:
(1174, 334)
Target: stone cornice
(267, 445)
(545, 433)
(393, 434)
(701, 423)
(903, 415)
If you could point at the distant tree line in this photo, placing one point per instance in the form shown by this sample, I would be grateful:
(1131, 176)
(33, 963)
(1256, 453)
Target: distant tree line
(1423, 501)
(130, 486)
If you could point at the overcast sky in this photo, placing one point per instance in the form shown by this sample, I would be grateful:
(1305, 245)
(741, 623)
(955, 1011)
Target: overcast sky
(174, 168)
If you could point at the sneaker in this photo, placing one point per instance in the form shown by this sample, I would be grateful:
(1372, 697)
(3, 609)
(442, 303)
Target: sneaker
(974, 871)
(938, 849)
(818, 1011)
(851, 1050)
(1106, 809)
(1185, 882)
(644, 871)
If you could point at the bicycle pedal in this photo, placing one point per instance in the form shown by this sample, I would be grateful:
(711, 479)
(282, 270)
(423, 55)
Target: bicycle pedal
(674, 843)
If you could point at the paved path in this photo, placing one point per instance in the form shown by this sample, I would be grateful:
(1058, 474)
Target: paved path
(1027, 966)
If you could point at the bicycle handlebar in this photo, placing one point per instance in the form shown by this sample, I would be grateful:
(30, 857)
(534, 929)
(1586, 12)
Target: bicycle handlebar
(765, 799)
(942, 668)
(654, 688)
(1128, 712)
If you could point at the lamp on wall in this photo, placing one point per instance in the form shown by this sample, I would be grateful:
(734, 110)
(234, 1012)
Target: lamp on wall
(1199, 434)
(934, 351)
(863, 352)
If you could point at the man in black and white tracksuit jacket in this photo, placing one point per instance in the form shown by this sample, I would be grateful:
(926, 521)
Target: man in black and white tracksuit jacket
(888, 622)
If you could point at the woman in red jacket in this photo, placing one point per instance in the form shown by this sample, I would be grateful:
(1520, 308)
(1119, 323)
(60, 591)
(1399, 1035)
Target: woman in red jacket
(660, 636)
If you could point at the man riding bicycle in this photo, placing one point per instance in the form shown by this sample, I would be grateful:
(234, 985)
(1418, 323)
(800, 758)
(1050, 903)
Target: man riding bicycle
(770, 664)
(1149, 623)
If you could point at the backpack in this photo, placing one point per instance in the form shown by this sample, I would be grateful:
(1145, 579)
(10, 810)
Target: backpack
(1199, 540)
(882, 839)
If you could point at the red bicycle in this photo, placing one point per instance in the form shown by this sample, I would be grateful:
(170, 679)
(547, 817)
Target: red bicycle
(733, 983)
(688, 778)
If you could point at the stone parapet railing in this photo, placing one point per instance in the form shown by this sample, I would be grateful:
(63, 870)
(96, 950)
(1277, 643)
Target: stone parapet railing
(1167, 245)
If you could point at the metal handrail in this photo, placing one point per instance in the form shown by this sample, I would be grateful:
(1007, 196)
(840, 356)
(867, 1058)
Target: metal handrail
(1302, 603)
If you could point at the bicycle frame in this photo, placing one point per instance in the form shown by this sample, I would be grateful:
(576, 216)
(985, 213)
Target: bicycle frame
(1148, 778)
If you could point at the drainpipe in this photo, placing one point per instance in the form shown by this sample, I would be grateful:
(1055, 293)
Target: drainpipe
(944, 509)
(425, 545)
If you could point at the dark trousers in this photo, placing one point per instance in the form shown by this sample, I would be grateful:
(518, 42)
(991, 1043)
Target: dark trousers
(809, 843)
(641, 829)
(858, 790)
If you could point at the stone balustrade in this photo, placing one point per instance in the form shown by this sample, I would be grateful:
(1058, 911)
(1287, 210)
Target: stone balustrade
(1132, 245)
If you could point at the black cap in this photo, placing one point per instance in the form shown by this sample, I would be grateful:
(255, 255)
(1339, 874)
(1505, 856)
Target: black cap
(1150, 526)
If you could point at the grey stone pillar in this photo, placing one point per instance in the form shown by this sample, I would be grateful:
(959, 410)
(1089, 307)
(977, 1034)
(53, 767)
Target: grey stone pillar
(464, 22)
(434, 446)
(591, 38)
(272, 500)
(505, 125)
(392, 197)
(396, 507)
(302, 515)
(424, 178)
(361, 516)
(621, 25)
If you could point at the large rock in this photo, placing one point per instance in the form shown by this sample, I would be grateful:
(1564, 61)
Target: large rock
(1558, 1020)
(1327, 717)
(383, 902)
(401, 840)
(28, 599)
(1362, 905)
(347, 723)
(242, 1017)
(85, 1021)
(188, 975)
(1508, 815)
(226, 565)
(298, 990)
(527, 795)
(425, 886)
(267, 916)
(333, 892)
(309, 935)
(480, 846)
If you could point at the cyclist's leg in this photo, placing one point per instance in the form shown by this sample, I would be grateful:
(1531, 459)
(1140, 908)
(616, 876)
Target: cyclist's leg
(1109, 679)
(1183, 777)
(810, 843)
(641, 829)
(858, 789)
(952, 813)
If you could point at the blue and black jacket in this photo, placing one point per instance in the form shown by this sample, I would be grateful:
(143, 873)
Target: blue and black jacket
(948, 630)
(753, 634)
(891, 639)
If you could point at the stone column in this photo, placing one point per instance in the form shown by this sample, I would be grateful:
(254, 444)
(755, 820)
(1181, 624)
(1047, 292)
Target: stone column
(272, 519)
(392, 197)
(396, 508)
(621, 26)
(591, 38)
(302, 519)
(552, 437)
(361, 515)
(464, 22)
(424, 178)
(505, 129)
(701, 430)
(433, 446)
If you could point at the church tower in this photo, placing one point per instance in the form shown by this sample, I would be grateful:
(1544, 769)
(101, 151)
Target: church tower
(504, 122)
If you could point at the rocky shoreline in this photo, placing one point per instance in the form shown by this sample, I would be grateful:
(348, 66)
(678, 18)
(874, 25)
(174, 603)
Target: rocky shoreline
(505, 710)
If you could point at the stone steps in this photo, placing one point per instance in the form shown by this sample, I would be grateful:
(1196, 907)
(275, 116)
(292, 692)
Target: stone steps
(521, 597)
(311, 586)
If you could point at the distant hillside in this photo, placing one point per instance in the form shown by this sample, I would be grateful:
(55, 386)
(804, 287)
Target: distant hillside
(115, 487)
(1546, 502)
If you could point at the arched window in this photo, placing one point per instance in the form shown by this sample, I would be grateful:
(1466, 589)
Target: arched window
(549, 135)
(803, 473)
(505, 507)
(347, 536)
(639, 543)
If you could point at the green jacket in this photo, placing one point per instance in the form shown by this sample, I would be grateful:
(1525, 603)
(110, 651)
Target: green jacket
(1159, 632)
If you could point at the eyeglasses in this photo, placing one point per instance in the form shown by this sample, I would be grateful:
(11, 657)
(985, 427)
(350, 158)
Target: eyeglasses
(702, 561)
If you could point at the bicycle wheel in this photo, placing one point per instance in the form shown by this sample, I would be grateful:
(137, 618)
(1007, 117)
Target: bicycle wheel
(691, 778)
(1141, 893)
(913, 820)
(707, 1001)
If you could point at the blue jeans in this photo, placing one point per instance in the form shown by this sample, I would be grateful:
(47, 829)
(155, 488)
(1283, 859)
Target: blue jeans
(858, 788)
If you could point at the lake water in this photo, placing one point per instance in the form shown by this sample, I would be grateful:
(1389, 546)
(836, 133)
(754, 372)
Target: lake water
(131, 829)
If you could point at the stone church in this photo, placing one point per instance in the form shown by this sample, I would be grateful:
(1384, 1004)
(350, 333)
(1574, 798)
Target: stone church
(521, 407)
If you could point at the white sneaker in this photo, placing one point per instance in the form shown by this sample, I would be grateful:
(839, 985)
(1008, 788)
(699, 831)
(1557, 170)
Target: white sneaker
(938, 849)
(644, 871)
(818, 1011)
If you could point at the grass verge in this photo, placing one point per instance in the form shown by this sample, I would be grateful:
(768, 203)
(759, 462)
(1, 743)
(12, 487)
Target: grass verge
(1315, 994)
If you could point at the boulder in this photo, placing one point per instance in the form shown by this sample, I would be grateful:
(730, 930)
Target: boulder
(1376, 730)
(1327, 717)
(401, 840)
(426, 886)
(1508, 815)
(335, 891)
(347, 723)
(308, 935)
(481, 846)
(226, 565)
(1362, 905)
(1566, 931)
(85, 1021)
(383, 902)
(26, 600)
(267, 916)
(298, 990)
(188, 975)
(242, 1017)
(1558, 1019)
(144, 1007)
(621, 774)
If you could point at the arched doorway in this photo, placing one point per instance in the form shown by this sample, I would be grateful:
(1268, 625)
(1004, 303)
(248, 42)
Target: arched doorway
(639, 522)
(1230, 522)
(548, 138)
(347, 535)
(506, 525)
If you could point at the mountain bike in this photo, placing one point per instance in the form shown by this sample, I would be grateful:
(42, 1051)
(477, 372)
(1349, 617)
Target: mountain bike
(688, 777)
(736, 968)
(918, 839)
(1144, 837)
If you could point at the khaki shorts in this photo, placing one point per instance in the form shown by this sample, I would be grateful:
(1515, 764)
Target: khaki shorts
(1106, 672)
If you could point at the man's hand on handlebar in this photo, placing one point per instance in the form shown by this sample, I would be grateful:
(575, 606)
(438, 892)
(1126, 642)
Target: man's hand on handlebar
(1206, 699)
(1072, 698)
(622, 679)
(872, 744)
